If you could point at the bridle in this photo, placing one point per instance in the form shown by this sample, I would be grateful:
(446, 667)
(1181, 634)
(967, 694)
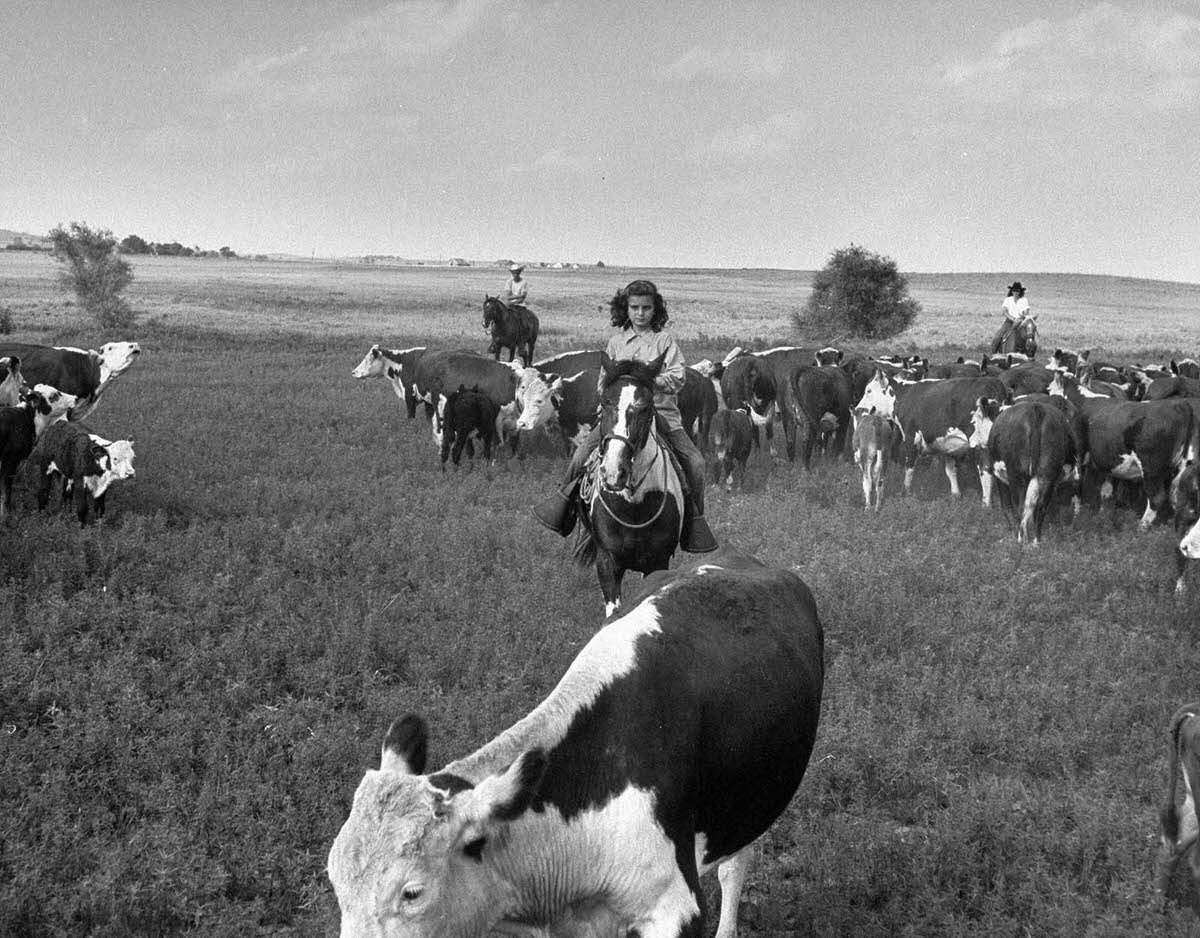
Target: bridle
(634, 486)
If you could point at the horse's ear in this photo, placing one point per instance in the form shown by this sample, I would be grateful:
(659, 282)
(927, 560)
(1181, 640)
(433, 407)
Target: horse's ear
(656, 366)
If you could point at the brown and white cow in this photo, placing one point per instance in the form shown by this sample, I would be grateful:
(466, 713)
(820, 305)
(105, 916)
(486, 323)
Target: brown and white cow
(874, 438)
(731, 437)
(84, 374)
(398, 366)
(646, 766)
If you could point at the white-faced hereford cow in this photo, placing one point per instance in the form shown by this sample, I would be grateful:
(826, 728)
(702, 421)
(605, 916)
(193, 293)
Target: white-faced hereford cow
(1185, 500)
(934, 417)
(20, 427)
(731, 436)
(570, 404)
(648, 764)
(1179, 827)
(86, 375)
(1139, 441)
(10, 381)
(398, 366)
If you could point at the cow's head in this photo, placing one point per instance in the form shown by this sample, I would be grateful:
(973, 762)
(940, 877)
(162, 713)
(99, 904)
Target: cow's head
(828, 356)
(10, 381)
(57, 402)
(116, 357)
(372, 365)
(982, 417)
(1064, 360)
(879, 395)
(418, 854)
(540, 397)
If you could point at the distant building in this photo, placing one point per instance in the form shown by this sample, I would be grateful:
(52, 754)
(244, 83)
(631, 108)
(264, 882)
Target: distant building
(459, 262)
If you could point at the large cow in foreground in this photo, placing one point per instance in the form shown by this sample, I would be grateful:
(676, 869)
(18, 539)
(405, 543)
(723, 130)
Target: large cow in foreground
(86, 375)
(1185, 500)
(1180, 830)
(676, 737)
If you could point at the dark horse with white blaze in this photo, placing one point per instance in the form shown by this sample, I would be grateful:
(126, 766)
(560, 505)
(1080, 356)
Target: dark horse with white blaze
(513, 327)
(631, 500)
(1021, 337)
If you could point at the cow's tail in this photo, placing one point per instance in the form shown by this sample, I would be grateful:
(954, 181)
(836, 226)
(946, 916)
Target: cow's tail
(1033, 446)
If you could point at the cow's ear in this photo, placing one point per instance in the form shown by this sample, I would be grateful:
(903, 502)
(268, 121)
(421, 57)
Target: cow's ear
(506, 795)
(1174, 367)
(405, 746)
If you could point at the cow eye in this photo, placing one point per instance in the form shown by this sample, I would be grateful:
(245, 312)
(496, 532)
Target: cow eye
(411, 893)
(474, 849)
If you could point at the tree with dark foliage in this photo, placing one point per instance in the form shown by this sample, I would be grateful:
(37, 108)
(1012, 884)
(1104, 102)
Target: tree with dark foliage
(861, 294)
(95, 271)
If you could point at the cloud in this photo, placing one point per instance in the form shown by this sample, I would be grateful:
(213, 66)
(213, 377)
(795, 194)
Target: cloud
(772, 138)
(1104, 54)
(330, 67)
(727, 64)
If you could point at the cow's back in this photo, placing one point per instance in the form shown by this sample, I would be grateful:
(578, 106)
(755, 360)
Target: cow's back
(444, 372)
(933, 406)
(71, 371)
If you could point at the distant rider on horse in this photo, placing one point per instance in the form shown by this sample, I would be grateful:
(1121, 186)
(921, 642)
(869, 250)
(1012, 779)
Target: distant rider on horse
(640, 313)
(1016, 310)
(516, 290)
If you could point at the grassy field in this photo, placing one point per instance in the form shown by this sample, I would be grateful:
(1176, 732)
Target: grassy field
(190, 692)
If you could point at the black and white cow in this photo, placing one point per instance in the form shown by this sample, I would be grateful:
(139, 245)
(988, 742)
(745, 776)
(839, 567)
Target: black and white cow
(646, 766)
(570, 404)
(1185, 500)
(85, 375)
(818, 395)
(66, 450)
(1179, 826)
(443, 372)
(20, 427)
(462, 415)
(399, 367)
(934, 417)
(1139, 441)
(1159, 389)
(697, 401)
(731, 437)
(1031, 449)
(1186, 368)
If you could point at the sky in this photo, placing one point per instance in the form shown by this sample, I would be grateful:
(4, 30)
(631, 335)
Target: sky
(1004, 136)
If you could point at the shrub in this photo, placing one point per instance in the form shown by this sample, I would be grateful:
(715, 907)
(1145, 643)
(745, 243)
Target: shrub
(95, 271)
(859, 293)
(6, 320)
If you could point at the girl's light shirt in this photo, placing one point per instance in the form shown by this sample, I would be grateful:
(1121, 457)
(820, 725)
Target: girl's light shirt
(628, 345)
(1015, 308)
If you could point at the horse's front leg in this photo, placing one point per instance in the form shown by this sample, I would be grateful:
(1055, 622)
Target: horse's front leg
(610, 574)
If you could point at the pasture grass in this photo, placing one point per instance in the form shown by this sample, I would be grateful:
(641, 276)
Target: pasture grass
(191, 690)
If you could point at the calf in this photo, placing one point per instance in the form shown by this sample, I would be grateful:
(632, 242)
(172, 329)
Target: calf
(120, 466)
(1185, 500)
(731, 437)
(649, 764)
(463, 414)
(10, 385)
(697, 403)
(1179, 835)
(874, 437)
(20, 427)
(68, 451)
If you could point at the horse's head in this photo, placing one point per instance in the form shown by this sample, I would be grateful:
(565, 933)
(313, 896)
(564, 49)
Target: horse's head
(626, 416)
(493, 310)
(1027, 337)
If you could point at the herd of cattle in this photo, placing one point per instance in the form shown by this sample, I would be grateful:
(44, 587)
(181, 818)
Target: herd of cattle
(44, 394)
(1032, 429)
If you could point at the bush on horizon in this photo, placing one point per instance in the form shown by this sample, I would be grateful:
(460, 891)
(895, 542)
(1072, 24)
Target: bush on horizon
(95, 271)
(858, 294)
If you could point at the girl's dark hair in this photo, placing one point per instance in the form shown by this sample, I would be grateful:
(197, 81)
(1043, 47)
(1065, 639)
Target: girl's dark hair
(619, 305)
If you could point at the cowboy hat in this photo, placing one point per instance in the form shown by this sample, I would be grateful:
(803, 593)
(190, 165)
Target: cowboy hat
(516, 267)
(1016, 285)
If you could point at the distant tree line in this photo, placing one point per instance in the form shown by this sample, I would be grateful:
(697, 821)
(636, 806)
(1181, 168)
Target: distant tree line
(133, 244)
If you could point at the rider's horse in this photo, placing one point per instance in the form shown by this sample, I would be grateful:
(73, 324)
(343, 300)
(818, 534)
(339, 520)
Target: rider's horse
(631, 499)
(1023, 337)
(513, 327)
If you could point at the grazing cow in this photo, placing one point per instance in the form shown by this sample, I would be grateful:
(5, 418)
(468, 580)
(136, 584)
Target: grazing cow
(513, 327)
(1179, 835)
(68, 451)
(463, 414)
(1030, 449)
(873, 441)
(86, 375)
(677, 736)
(1185, 500)
(934, 417)
(1186, 368)
(731, 436)
(571, 404)
(814, 392)
(1139, 441)
(20, 427)
(697, 401)
(10, 384)
(399, 367)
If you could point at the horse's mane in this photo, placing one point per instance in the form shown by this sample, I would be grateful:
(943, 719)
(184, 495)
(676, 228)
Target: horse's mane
(637, 371)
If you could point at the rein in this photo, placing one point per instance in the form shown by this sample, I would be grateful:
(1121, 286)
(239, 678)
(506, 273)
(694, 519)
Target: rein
(658, 455)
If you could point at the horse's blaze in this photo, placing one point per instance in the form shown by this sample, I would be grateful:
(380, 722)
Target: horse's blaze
(616, 458)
